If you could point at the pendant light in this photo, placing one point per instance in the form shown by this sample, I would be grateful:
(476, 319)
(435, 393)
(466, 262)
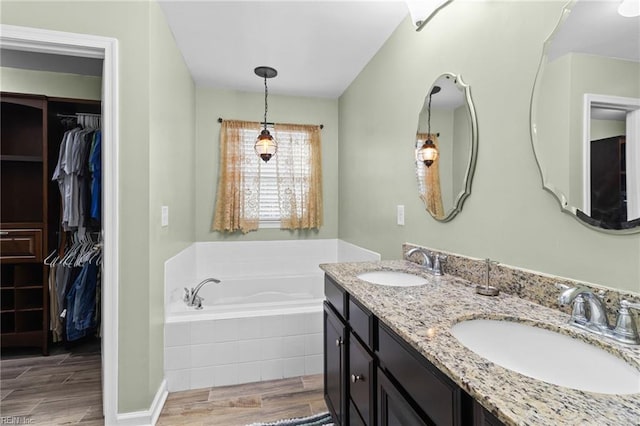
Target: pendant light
(266, 145)
(428, 153)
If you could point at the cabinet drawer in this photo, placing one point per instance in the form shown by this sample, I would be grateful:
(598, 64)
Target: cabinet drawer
(21, 245)
(361, 382)
(436, 395)
(361, 321)
(336, 296)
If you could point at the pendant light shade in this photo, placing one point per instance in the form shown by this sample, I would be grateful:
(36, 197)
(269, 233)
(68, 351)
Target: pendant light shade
(266, 145)
(428, 153)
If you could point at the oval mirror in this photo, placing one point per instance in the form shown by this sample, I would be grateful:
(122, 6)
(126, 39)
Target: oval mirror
(585, 115)
(446, 147)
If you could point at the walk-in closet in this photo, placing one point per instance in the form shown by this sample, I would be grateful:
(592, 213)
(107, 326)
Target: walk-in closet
(51, 243)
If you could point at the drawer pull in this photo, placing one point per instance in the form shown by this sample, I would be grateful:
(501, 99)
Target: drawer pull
(339, 342)
(356, 377)
(4, 232)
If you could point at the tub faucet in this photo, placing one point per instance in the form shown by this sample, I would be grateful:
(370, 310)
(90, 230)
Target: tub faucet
(191, 296)
(597, 320)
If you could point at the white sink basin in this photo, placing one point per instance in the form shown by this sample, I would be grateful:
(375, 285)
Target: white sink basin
(392, 278)
(548, 356)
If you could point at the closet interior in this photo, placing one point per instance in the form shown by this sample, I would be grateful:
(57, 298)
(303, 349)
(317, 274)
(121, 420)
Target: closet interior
(50, 230)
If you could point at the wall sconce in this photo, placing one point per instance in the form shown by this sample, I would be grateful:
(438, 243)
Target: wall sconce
(266, 145)
(428, 153)
(422, 11)
(629, 8)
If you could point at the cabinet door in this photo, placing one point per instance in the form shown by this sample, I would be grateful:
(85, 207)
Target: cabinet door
(482, 417)
(334, 365)
(361, 380)
(393, 408)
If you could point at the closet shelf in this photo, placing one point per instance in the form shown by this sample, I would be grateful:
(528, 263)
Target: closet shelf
(22, 158)
(28, 310)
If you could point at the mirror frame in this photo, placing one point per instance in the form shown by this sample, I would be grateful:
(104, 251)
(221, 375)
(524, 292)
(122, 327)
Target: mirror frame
(473, 151)
(565, 207)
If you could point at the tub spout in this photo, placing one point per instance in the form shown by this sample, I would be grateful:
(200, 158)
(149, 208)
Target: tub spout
(191, 296)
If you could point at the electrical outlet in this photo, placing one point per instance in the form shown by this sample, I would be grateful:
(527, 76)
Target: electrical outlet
(400, 214)
(164, 221)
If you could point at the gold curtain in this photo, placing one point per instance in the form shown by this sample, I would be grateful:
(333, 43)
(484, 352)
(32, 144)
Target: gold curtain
(238, 196)
(432, 196)
(299, 176)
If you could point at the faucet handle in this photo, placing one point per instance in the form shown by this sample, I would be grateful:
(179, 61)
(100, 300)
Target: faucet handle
(626, 304)
(578, 314)
(625, 329)
(438, 264)
(187, 295)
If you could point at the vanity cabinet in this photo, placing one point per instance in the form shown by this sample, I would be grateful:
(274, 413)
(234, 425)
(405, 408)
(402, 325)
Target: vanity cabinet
(393, 407)
(334, 364)
(374, 377)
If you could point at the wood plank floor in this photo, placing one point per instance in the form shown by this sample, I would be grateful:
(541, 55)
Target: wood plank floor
(245, 404)
(66, 389)
(60, 389)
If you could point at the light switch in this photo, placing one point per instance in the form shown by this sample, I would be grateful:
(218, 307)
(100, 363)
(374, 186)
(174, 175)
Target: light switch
(164, 221)
(400, 214)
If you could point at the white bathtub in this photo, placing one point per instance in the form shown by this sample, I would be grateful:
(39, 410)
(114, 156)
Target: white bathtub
(263, 321)
(252, 297)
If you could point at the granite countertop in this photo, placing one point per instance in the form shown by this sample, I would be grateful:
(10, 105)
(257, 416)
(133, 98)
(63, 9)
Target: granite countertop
(424, 315)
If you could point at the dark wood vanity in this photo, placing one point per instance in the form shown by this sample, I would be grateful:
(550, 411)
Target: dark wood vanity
(373, 377)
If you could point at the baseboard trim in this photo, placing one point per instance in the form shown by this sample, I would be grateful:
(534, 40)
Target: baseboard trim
(150, 416)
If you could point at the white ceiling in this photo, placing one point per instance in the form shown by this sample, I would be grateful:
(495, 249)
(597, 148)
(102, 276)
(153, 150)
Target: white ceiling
(596, 28)
(318, 47)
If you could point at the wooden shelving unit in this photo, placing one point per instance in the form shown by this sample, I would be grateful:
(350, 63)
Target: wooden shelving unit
(23, 221)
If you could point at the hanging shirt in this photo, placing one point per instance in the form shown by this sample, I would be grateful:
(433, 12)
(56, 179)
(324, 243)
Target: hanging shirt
(95, 166)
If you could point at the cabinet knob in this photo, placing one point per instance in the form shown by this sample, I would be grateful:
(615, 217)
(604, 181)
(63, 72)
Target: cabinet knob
(339, 342)
(356, 377)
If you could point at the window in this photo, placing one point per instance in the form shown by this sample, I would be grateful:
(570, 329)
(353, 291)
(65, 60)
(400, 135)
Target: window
(286, 192)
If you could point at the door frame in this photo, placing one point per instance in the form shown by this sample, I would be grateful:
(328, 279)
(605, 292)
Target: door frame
(612, 102)
(106, 48)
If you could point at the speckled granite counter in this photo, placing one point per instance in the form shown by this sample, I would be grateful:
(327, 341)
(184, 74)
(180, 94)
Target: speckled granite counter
(423, 316)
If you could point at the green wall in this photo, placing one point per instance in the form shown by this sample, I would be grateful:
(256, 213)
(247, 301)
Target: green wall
(496, 47)
(156, 116)
(53, 84)
(229, 104)
(171, 171)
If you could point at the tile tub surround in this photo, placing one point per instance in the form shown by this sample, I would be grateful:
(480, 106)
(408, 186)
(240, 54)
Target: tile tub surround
(424, 315)
(533, 286)
(207, 353)
(234, 344)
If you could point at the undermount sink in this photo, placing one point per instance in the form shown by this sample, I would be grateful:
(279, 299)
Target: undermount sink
(548, 356)
(392, 278)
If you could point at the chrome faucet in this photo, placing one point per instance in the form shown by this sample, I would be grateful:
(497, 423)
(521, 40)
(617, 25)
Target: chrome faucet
(431, 262)
(625, 330)
(191, 296)
(597, 310)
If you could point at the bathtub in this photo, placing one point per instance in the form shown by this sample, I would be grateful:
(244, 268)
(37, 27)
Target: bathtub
(251, 297)
(263, 321)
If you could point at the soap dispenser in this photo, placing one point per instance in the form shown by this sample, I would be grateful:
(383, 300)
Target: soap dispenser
(487, 290)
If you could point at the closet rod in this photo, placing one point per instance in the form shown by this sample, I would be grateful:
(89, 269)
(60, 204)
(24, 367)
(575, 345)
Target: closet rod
(220, 120)
(77, 114)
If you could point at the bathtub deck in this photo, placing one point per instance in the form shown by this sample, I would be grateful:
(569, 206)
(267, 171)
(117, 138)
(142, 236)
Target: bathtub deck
(244, 404)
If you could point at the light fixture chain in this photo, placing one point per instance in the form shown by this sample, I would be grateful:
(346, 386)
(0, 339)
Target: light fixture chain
(266, 92)
(429, 119)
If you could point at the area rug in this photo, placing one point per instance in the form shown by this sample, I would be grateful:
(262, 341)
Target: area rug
(315, 420)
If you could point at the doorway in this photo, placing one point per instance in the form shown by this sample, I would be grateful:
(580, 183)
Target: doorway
(105, 48)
